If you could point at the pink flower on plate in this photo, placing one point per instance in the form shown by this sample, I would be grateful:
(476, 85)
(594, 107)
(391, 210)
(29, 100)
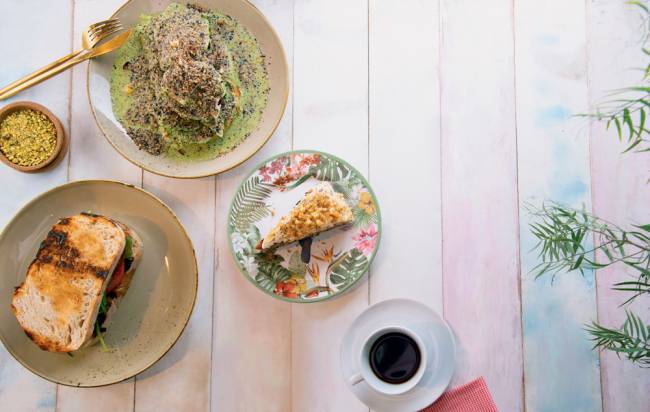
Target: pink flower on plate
(309, 160)
(277, 164)
(366, 239)
(275, 167)
(264, 172)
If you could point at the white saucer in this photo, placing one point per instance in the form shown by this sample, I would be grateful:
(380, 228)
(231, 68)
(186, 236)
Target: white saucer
(432, 330)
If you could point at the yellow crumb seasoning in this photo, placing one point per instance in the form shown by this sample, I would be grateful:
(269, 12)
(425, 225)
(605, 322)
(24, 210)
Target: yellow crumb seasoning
(27, 137)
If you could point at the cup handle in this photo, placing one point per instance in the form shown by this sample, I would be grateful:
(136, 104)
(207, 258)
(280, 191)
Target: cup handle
(355, 379)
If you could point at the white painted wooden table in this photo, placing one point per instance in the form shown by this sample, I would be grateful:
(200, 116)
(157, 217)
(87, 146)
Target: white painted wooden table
(458, 111)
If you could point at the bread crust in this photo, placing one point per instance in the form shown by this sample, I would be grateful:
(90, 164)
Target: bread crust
(57, 304)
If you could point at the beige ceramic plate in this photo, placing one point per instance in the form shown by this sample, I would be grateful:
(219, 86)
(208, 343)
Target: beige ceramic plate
(155, 310)
(99, 74)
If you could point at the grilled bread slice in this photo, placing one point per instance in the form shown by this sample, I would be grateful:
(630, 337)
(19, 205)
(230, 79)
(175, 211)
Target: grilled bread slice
(57, 303)
(319, 210)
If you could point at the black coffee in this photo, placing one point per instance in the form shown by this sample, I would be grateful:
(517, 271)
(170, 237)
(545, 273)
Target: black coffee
(394, 357)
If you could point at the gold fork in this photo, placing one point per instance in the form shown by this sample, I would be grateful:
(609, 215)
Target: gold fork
(90, 37)
(106, 47)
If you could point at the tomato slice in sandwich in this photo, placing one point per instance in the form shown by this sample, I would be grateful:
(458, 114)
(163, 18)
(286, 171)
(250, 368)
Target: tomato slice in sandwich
(118, 275)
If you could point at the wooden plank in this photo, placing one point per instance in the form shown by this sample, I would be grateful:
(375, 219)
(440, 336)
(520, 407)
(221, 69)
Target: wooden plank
(405, 150)
(619, 185)
(330, 114)
(117, 397)
(181, 379)
(23, 27)
(92, 157)
(251, 356)
(30, 44)
(561, 371)
(479, 197)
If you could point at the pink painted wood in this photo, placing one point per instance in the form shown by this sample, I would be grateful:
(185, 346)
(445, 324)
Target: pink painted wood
(330, 114)
(432, 122)
(19, 388)
(181, 379)
(479, 195)
(251, 355)
(619, 187)
(553, 165)
(414, 188)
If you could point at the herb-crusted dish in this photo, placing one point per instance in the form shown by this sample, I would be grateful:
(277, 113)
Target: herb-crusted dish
(189, 83)
(192, 140)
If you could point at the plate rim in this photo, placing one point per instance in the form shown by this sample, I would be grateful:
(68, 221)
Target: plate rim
(221, 170)
(23, 209)
(371, 259)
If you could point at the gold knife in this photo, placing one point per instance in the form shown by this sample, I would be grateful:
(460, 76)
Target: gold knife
(112, 44)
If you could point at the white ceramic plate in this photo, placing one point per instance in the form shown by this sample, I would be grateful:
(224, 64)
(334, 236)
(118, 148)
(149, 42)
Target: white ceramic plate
(156, 308)
(99, 74)
(430, 328)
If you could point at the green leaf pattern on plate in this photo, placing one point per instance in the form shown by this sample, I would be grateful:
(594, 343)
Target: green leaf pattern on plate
(248, 205)
(348, 269)
(339, 258)
(330, 170)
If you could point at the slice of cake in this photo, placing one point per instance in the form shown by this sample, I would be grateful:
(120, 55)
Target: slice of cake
(319, 210)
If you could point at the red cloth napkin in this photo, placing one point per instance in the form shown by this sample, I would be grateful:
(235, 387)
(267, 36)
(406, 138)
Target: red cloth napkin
(471, 397)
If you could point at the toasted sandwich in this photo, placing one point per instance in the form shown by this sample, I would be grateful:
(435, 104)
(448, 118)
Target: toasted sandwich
(321, 209)
(81, 271)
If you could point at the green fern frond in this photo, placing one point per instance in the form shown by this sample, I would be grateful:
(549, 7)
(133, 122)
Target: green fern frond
(627, 109)
(639, 287)
(632, 340)
(248, 206)
(565, 235)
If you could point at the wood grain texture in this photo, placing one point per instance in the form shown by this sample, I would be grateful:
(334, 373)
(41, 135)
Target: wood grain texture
(18, 188)
(19, 388)
(92, 157)
(251, 357)
(554, 165)
(181, 379)
(619, 185)
(479, 197)
(330, 114)
(406, 177)
(490, 88)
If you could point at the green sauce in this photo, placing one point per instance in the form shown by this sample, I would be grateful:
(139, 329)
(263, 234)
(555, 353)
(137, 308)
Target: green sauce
(247, 74)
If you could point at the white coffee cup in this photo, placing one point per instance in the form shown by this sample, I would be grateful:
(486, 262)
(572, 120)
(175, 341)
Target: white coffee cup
(366, 374)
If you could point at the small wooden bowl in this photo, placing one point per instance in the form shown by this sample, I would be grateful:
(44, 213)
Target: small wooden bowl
(60, 134)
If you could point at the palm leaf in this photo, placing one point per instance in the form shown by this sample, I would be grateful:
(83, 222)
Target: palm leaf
(270, 270)
(248, 206)
(342, 188)
(362, 219)
(253, 237)
(296, 265)
(347, 268)
(639, 287)
(329, 170)
(632, 340)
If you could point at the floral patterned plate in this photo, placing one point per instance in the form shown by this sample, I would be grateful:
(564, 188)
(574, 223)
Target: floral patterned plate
(337, 259)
